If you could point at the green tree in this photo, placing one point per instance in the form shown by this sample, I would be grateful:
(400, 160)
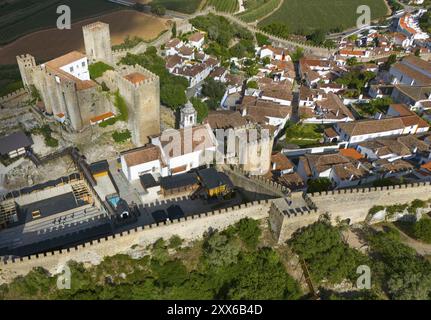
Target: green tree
(219, 251)
(261, 276)
(214, 90)
(262, 40)
(297, 54)
(252, 84)
(200, 107)
(174, 30)
(318, 37)
(278, 29)
(158, 9)
(326, 255)
(422, 230)
(391, 60)
(319, 185)
(249, 232)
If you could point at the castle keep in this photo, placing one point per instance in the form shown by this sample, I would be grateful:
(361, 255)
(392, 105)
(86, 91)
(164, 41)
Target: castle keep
(97, 42)
(75, 100)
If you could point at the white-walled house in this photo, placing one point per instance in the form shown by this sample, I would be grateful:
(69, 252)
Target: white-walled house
(144, 160)
(172, 47)
(412, 71)
(74, 63)
(274, 53)
(173, 152)
(358, 131)
(187, 148)
(196, 40)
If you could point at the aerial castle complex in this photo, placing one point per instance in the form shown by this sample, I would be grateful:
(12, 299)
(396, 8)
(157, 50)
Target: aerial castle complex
(74, 99)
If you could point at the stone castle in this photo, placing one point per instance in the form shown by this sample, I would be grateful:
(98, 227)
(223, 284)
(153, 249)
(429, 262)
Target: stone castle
(72, 98)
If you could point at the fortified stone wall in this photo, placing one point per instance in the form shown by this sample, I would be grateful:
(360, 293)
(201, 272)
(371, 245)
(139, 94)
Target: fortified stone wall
(351, 204)
(188, 228)
(255, 187)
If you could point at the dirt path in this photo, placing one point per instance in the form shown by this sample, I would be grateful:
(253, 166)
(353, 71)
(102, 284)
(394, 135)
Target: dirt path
(421, 248)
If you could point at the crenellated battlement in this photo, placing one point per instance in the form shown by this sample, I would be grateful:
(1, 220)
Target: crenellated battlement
(371, 189)
(151, 78)
(229, 216)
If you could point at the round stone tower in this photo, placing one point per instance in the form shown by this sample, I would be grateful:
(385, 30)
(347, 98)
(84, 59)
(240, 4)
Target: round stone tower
(188, 116)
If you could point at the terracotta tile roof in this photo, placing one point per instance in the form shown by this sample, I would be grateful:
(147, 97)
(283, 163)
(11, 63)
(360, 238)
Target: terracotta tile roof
(218, 72)
(362, 127)
(225, 119)
(135, 77)
(102, 117)
(386, 146)
(303, 160)
(412, 142)
(351, 153)
(195, 37)
(323, 162)
(419, 77)
(173, 43)
(65, 59)
(330, 133)
(173, 61)
(415, 92)
(261, 110)
(334, 108)
(201, 136)
(276, 50)
(276, 90)
(403, 22)
(394, 166)
(352, 52)
(186, 51)
(292, 181)
(142, 155)
(350, 171)
(426, 166)
(401, 109)
(281, 162)
(79, 84)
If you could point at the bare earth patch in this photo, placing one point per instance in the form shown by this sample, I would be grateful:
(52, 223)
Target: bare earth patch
(51, 43)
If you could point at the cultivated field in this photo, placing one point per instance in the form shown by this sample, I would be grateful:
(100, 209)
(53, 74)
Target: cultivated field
(257, 9)
(47, 44)
(224, 5)
(21, 17)
(184, 6)
(305, 16)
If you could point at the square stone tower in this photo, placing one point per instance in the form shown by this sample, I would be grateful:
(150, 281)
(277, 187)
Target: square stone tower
(140, 89)
(97, 40)
(26, 64)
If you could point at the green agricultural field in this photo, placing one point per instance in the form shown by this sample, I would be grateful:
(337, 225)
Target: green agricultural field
(184, 6)
(258, 9)
(305, 16)
(21, 17)
(224, 5)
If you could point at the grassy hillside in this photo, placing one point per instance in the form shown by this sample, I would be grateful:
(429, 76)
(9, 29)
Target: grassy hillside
(305, 16)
